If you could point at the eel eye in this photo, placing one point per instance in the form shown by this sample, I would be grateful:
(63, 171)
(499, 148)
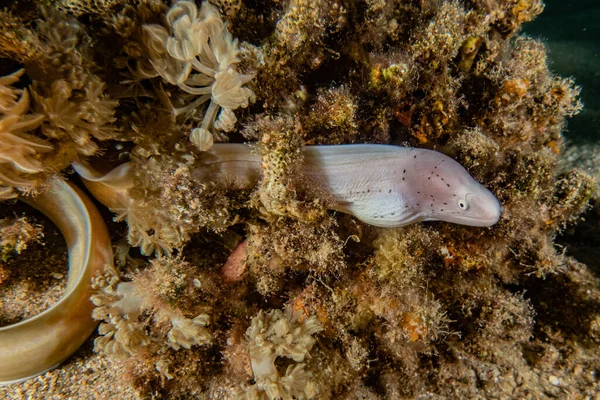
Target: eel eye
(463, 205)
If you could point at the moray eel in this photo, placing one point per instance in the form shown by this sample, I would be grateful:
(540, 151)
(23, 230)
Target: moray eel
(381, 185)
(40, 343)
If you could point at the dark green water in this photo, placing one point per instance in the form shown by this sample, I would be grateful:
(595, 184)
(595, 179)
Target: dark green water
(571, 30)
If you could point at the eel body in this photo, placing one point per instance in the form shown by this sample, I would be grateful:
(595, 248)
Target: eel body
(41, 343)
(382, 185)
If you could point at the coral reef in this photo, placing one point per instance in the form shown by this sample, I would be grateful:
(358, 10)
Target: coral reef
(312, 303)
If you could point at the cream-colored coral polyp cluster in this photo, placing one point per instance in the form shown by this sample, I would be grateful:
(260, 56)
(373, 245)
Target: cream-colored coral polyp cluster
(280, 334)
(198, 55)
(78, 115)
(19, 151)
(125, 333)
(120, 333)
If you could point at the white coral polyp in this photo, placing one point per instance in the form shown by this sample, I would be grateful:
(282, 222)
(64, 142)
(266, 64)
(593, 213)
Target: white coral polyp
(188, 32)
(202, 139)
(226, 121)
(189, 332)
(162, 64)
(228, 92)
(198, 56)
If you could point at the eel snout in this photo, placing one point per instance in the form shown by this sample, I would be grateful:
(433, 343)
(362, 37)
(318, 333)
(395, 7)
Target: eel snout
(491, 209)
(38, 344)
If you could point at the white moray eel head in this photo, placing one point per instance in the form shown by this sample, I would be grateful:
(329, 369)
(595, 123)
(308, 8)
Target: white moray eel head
(445, 191)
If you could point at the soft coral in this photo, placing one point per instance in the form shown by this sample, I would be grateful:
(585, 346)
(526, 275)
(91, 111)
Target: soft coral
(19, 151)
(198, 55)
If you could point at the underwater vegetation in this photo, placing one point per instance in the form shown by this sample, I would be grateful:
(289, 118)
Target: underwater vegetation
(230, 290)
